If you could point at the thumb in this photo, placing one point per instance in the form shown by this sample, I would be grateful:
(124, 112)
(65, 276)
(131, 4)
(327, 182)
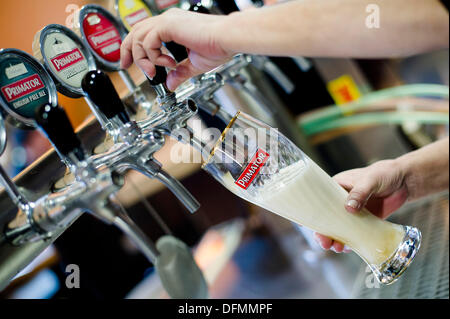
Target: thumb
(184, 71)
(360, 194)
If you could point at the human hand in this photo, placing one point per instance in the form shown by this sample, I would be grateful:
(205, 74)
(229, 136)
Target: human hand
(199, 33)
(381, 188)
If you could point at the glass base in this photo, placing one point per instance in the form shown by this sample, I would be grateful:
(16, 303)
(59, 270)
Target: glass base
(388, 272)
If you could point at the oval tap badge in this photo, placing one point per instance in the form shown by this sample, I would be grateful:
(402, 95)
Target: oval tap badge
(64, 55)
(24, 86)
(132, 12)
(103, 34)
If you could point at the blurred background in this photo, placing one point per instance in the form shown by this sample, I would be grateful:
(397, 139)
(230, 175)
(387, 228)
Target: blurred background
(244, 251)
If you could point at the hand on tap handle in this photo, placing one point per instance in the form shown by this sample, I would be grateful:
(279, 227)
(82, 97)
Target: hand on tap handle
(179, 52)
(192, 30)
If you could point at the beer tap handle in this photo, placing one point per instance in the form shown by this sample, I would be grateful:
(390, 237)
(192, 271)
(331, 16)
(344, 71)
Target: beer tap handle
(226, 6)
(178, 51)
(158, 82)
(53, 120)
(100, 90)
(160, 76)
(199, 8)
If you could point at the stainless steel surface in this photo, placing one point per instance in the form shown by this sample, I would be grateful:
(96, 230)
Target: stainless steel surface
(11, 188)
(2, 135)
(428, 276)
(263, 63)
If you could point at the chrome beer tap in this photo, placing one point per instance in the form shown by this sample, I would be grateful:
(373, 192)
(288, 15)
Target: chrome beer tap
(93, 191)
(175, 265)
(92, 187)
(90, 192)
(137, 146)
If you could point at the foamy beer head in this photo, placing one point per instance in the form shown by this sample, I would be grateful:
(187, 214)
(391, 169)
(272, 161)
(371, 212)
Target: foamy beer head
(262, 166)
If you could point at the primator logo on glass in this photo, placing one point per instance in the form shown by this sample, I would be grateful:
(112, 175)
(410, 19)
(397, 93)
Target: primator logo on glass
(251, 171)
(66, 60)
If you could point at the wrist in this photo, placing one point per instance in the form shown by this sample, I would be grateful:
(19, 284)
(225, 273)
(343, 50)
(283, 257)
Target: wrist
(406, 167)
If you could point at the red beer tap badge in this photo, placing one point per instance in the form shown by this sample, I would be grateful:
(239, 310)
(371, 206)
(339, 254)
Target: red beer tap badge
(102, 36)
(252, 169)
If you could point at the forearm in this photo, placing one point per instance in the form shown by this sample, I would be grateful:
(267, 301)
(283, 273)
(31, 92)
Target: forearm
(337, 28)
(427, 169)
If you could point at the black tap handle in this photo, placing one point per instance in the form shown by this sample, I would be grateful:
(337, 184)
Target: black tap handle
(226, 6)
(198, 7)
(54, 122)
(160, 77)
(100, 90)
(178, 51)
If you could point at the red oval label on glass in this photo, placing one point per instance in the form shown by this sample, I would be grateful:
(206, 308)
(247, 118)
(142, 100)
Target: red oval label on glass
(102, 36)
(252, 169)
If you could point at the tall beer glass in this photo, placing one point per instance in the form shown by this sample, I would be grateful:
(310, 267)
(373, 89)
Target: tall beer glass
(260, 165)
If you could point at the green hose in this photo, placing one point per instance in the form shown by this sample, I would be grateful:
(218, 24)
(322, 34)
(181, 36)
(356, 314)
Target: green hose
(332, 112)
(376, 119)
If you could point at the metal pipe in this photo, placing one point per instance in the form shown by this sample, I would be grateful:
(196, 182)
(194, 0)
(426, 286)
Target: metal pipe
(17, 198)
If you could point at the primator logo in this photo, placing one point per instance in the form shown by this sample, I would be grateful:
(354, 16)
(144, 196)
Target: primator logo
(104, 36)
(67, 59)
(22, 87)
(252, 170)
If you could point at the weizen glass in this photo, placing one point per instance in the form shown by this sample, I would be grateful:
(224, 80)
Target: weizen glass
(260, 165)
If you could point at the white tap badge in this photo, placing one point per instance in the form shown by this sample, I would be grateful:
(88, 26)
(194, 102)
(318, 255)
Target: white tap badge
(65, 59)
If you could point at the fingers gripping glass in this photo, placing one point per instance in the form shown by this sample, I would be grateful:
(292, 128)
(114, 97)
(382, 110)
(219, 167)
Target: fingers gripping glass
(259, 164)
